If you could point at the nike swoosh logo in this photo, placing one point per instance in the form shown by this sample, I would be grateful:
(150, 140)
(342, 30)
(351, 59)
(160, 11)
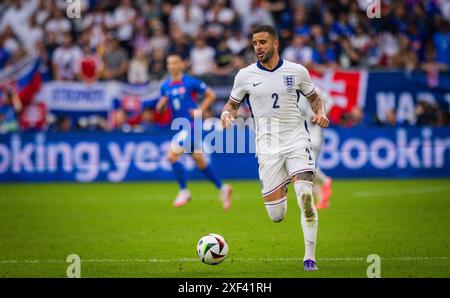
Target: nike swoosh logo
(254, 85)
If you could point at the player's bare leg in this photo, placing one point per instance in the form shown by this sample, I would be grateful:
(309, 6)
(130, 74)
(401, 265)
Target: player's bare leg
(184, 195)
(309, 218)
(276, 204)
(209, 171)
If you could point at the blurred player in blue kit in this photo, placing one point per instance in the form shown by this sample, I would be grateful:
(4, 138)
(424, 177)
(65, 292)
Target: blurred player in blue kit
(180, 93)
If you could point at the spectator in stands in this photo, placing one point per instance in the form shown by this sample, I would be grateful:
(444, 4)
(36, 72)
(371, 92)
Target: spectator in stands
(141, 38)
(92, 123)
(91, 65)
(326, 52)
(12, 44)
(58, 24)
(66, 60)
(223, 59)
(237, 42)
(441, 40)
(355, 15)
(349, 57)
(259, 14)
(188, 17)
(124, 17)
(391, 118)
(241, 8)
(299, 50)
(219, 19)
(158, 40)
(202, 57)
(120, 121)
(43, 12)
(442, 118)
(151, 11)
(5, 55)
(17, 15)
(326, 57)
(328, 21)
(63, 124)
(10, 106)
(34, 35)
(406, 58)
(300, 19)
(220, 14)
(444, 8)
(430, 114)
(180, 44)
(353, 118)
(115, 61)
(389, 47)
(96, 24)
(360, 40)
(138, 71)
(431, 67)
(157, 65)
(147, 120)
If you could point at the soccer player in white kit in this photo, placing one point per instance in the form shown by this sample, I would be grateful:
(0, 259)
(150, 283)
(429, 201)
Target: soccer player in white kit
(322, 183)
(273, 87)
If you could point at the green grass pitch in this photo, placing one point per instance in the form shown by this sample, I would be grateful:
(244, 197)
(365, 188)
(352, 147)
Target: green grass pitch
(131, 230)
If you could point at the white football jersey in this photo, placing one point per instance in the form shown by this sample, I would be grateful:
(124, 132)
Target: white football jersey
(273, 97)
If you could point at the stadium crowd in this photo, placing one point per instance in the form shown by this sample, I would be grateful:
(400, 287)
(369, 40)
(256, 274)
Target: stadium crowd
(129, 40)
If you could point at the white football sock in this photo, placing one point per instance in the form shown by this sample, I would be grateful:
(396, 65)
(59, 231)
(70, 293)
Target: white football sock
(309, 217)
(277, 209)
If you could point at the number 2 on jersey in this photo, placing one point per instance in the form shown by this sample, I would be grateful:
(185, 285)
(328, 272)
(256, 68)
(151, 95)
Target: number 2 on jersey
(275, 103)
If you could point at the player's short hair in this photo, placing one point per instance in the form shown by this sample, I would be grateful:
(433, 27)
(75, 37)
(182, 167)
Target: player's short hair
(174, 54)
(266, 28)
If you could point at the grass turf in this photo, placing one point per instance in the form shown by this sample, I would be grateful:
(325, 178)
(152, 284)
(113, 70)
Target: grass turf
(131, 230)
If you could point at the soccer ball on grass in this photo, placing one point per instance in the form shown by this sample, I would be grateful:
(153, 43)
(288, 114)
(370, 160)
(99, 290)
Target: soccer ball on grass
(212, 249)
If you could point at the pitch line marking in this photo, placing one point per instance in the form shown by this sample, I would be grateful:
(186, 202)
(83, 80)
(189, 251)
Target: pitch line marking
(411, 191)
(153, 260)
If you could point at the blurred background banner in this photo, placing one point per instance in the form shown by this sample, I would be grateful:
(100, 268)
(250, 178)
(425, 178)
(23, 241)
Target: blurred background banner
(381, 152)
(376, 93)
(347, 88)
(86, 157)
(405, 93)
(79, 97)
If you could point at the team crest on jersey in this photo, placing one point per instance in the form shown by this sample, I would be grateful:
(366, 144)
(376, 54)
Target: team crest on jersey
(289, 81)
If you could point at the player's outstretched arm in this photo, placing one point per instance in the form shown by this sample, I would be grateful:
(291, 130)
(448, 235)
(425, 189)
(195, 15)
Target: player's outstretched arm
(318, 108)
(162, 104)
(210, 97)
(229, 113)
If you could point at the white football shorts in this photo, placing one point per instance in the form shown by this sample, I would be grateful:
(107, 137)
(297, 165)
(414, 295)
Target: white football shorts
(276, 170)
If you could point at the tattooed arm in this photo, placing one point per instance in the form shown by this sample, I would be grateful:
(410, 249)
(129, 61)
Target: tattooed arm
(229, 113)
(318, 108)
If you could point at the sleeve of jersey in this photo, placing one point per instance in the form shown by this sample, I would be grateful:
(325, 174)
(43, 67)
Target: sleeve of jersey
(199, 86)
(239, 91)
(305, 85)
